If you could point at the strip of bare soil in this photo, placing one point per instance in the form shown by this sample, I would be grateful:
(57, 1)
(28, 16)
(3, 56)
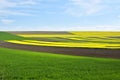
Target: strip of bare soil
(107, 53)
(39, 32)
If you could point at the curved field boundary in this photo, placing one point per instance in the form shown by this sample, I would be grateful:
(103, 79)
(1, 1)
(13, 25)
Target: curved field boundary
(107, 53)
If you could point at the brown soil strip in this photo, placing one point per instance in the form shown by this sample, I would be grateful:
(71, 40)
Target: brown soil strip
(107, 53)
(39, 32)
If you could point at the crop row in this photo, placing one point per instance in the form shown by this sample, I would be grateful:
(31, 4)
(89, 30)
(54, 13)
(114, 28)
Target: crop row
(75, 39)
(66, 44)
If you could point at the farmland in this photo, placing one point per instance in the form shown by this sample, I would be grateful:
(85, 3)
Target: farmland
(59, 55)
(27, 65)
(110, 40)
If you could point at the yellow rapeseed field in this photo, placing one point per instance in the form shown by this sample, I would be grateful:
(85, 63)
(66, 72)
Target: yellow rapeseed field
(76, 39)
(66, 44)
(93, 33)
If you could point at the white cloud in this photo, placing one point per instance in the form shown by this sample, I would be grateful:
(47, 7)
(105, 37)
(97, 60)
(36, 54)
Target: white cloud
(118, 16)
(78, 28)
(9, 12)
(96, 28)
(84, 7)
(11, 28)
(7, 6)
(63, 28)
(28, 2)
(7, 21)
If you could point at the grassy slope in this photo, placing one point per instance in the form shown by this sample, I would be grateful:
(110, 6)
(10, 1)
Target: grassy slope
(8, 36)
(26, 65)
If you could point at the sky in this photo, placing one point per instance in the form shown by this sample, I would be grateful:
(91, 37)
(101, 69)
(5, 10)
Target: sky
(59, 15)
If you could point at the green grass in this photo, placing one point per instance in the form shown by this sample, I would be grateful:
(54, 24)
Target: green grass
(26, 65)
(8, 36)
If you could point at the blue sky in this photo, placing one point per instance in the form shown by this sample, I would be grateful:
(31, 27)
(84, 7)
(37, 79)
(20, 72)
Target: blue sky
(60, 15)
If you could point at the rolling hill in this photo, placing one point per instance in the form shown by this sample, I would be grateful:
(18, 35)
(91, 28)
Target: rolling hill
(9, 36)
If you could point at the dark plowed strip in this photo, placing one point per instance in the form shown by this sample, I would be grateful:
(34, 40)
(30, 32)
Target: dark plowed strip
(39, 32)
(108, 53)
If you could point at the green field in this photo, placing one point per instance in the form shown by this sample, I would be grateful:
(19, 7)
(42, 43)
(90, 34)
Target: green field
(26, 65)
(8, 36)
